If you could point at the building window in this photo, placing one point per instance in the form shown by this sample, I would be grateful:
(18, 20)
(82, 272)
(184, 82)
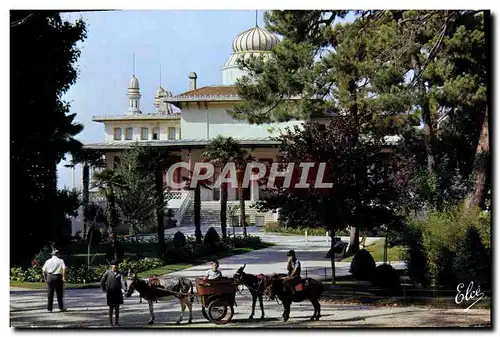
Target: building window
(117, 134)
(144, 133)
(128, 133)
(172, 132)
(156, 133)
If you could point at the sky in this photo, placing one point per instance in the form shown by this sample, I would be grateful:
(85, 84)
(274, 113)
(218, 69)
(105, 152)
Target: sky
(177, 41)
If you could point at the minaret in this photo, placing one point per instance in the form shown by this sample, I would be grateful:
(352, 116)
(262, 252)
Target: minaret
(133, 94)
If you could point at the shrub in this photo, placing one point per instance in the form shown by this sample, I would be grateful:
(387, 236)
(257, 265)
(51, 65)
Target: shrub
(179, 240)
(82, 274)
(141, 265)
(472, 261)
(362, 266)
(17, 274)
(386, 277)
(415, 257)
(440, 234)
(212, 238)
(100, 270)
(33, 274)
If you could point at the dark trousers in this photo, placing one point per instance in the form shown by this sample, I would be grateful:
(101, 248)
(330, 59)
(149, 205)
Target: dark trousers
(291, 283)
(55, 283)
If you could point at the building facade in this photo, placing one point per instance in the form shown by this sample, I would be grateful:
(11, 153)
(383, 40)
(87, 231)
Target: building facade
(185, 124)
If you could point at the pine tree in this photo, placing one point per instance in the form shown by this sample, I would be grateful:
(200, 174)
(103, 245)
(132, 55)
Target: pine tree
(43, 53)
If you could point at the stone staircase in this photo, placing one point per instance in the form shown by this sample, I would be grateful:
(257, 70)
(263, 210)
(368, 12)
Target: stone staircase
(210, 214)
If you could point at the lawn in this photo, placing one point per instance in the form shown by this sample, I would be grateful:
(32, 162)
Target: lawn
(43, 285)
(376, 249)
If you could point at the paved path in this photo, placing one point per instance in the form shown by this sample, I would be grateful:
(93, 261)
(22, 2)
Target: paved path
(86, 308)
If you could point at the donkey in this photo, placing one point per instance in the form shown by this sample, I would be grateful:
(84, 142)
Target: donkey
(312, 290)
(256, 284)
(180, 287)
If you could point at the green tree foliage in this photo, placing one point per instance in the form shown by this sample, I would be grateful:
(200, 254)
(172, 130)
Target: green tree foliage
(136, 199)
(362, 192)
(473, 260)
(43, 52)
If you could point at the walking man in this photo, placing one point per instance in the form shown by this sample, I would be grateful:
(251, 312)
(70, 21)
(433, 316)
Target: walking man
(113, 284)
(54, 273)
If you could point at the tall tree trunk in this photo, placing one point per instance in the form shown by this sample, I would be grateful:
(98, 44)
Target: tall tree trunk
(482, 160)
(223, 209)
(354, 237)
(353, 240)
(160, 202)
(241, 198)
(481, 168)
(113, 222)
(429, 135)
(332, 256)
(197, 213)
(85, 197)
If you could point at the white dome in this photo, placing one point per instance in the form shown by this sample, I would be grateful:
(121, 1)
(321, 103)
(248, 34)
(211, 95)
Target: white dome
(134, 83)
(254, 39)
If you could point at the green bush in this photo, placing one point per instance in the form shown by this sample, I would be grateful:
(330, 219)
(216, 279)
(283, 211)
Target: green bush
(437, 237)
(212, 238)
(472, 261)
(140, 265)
(386, 277)
(276, 227)
(415, 257)
(179, 240)
(82, 274)
(17, 274)
(33, 274)
(362, 266)
(250, 241)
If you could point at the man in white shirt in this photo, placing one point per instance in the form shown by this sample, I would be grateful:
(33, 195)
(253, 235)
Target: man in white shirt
(54, 274)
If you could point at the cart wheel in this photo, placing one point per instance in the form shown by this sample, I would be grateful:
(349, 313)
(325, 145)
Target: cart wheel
(204, 312)
(218, 312)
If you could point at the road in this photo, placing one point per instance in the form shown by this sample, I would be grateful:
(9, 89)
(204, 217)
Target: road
(87, 309)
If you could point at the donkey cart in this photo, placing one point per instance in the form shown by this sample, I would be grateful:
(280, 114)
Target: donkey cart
(217, 299)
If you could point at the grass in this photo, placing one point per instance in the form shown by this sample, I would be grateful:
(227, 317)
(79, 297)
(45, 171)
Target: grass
(376, 249)
(170, 268)
(43, 285)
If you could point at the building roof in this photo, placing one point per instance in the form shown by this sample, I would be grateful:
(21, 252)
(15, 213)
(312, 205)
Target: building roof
(218, 90)
(178, 144)
(153, 116)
